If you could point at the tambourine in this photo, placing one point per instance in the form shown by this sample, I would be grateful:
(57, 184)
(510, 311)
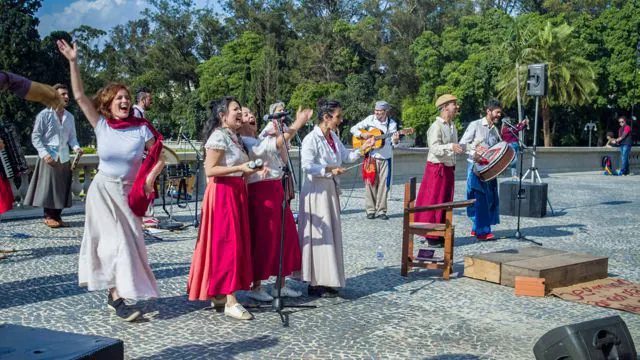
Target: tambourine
(169, 156)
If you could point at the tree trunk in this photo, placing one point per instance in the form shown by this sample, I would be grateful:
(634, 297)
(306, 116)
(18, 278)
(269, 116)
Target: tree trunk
(546, 124)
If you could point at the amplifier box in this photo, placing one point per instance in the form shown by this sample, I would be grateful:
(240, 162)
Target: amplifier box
(22, 342)
(533, 203)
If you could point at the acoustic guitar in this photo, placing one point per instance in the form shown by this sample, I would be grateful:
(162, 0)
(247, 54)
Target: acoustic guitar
(379, 137)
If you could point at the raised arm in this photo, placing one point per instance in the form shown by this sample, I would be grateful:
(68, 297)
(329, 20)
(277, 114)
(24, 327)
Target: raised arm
(302, 117)
(89, 110)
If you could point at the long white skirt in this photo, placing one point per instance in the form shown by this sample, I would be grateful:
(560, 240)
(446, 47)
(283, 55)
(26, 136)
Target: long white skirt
(113, 252)
(320, 234)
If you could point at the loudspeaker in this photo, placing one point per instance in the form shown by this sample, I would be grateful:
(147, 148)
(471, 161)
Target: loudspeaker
(607, 338)
(22, 342)
(534, 199)
(537, 80)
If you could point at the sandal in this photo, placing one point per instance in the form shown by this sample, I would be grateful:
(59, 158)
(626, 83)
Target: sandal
(52, 223)
(237, 311)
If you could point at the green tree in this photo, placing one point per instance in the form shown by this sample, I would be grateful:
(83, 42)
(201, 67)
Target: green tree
(19, 53)
(571, 78)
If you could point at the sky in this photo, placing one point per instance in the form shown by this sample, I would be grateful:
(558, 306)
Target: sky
(101, 14)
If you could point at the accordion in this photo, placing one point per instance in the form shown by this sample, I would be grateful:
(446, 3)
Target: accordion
(11, 156)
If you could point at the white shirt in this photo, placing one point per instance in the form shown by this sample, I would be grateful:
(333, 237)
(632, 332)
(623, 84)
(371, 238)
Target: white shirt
(480, 132)
(51, 137)
(440, 139)
(316, 154)
(120, 150)
(138, 111)
(227, 140)
(266, 150)
(389, 126)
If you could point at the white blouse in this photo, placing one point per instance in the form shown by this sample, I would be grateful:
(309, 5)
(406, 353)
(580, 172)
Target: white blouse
(227, 140)
(317, 154)
(266, 150)
(120, 150)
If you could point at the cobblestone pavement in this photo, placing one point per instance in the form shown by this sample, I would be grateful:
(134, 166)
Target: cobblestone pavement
(380, 315)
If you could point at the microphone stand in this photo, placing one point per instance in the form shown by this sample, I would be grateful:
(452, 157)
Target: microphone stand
(518, 235)
(278, 303)
(196, 222)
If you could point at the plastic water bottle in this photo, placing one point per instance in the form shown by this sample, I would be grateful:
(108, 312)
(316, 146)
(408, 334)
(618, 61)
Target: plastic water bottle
(379, 256)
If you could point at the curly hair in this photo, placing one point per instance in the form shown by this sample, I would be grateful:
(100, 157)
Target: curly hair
(104, 97)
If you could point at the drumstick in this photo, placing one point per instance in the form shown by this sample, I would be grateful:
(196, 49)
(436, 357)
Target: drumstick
(351, 167)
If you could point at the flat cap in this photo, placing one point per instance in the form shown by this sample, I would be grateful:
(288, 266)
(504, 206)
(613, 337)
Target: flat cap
(382, 105)
(443, 99)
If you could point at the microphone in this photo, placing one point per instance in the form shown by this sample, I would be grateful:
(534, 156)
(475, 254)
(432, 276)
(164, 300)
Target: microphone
(277, 115)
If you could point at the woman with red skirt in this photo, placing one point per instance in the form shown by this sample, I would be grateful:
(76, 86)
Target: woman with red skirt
(266, 194)
(221, 263)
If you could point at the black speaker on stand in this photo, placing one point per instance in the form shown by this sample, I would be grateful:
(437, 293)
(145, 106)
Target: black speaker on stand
(600, 339)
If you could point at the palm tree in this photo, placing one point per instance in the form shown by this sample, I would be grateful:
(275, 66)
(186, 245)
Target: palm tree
(571, 78)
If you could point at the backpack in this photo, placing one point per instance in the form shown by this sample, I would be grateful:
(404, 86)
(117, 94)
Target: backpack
(606, 165)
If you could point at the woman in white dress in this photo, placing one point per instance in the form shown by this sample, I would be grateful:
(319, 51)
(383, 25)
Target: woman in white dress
(319, 227)
(113, 255)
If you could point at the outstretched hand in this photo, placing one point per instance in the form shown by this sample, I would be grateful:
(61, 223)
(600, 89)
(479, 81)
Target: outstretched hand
(70, 52)
(302, 117)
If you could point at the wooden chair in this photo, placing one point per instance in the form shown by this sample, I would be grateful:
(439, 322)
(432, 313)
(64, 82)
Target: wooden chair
(411, 228)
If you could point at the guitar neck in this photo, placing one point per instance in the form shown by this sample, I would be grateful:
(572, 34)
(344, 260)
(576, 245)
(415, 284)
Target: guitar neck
(384, 136)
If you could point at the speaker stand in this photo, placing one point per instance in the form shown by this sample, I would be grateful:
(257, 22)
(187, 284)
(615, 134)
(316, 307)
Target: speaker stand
(533, 170)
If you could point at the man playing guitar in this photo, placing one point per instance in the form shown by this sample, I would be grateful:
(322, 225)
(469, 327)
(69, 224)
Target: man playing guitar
(377, 164)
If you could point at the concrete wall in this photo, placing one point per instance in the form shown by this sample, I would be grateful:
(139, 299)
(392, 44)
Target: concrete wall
(411, 162)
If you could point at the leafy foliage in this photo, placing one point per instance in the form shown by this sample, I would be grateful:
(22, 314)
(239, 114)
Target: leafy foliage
(405, 52)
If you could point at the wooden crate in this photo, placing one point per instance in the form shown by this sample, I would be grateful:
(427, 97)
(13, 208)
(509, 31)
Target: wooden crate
(558, 270)
(488, 266)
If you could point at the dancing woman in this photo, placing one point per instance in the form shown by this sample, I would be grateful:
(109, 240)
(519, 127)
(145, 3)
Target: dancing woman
(266, 193)
(319, 227)
(221, 263)
(113, 254)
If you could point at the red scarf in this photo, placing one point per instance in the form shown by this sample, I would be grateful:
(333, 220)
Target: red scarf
(138, 200)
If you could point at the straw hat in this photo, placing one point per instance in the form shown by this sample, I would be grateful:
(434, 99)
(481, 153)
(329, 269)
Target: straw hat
(443, 99)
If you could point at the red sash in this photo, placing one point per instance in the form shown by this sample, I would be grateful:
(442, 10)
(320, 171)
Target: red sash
(139, 201)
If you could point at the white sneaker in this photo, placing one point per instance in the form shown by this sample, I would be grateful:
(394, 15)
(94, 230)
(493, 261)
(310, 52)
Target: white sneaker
(259, 294)
(286, 292)
(237, 311)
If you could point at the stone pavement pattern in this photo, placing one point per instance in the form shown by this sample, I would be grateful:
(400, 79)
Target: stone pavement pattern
(381, 314)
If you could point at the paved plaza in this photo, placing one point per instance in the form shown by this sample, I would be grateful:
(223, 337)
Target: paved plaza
(381, 315)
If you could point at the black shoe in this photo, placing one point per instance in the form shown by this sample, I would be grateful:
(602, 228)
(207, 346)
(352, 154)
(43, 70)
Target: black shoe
(371, 216)
(317, 291)
(124, 311)
(330, 292)
(383, 217)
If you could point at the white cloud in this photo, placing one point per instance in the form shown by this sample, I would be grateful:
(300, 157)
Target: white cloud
(101, 14)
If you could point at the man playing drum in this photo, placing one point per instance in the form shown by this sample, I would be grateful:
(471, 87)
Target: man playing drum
(480, 135)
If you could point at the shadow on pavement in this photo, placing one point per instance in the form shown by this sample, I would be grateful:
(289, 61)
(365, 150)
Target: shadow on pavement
(51, 287)
(215, 350)
(453, 357)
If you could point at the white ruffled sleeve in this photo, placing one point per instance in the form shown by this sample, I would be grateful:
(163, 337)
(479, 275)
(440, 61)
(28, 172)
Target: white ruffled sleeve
(217, 141)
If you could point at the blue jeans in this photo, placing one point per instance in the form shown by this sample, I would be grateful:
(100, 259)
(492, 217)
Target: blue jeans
(514, 168)
(624, 159)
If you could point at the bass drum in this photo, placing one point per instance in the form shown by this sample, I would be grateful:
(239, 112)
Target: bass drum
(499, 157)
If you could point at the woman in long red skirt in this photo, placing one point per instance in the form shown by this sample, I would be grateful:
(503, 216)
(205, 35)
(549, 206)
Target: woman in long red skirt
(221, 264)
(266, 194)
